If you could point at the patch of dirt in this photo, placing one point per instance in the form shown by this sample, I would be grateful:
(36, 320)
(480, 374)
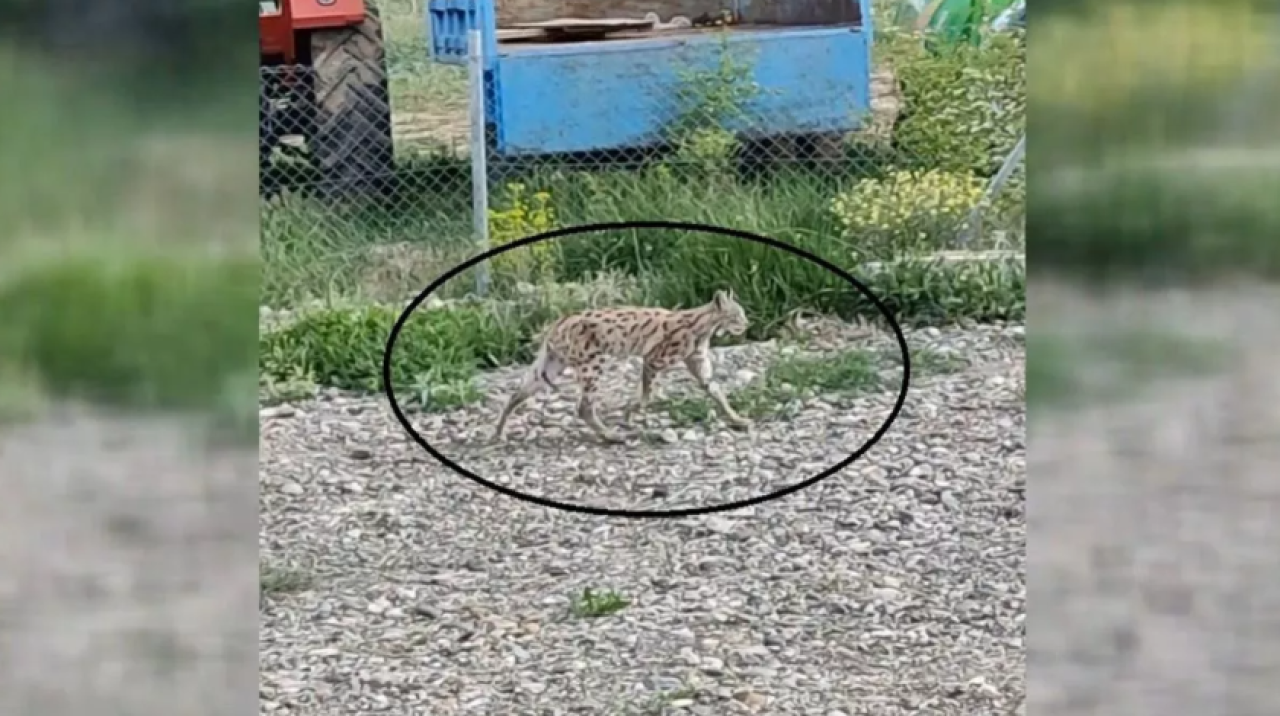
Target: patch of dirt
(446, 129)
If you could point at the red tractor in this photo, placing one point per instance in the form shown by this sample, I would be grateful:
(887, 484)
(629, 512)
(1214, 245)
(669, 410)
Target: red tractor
(324, 79)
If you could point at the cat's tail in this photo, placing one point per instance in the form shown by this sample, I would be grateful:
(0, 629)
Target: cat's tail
(547, 366)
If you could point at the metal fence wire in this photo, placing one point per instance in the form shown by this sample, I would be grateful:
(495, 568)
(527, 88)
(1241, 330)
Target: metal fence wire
(397, 156)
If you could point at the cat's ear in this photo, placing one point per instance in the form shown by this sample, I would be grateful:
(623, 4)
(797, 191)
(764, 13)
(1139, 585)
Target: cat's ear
(721, 299)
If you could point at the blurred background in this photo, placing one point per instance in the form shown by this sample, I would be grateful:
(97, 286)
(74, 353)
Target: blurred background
(128, 290)
(1157, 130)
(1155, 167)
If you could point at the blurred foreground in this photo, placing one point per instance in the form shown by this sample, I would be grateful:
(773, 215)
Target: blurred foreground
(1152, 553)
(1151, 376)
(128, 290)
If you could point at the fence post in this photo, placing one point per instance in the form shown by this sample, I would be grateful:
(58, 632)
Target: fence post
(479, 156)
(974, 225)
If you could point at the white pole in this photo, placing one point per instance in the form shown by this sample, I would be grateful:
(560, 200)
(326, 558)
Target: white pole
(479, 156)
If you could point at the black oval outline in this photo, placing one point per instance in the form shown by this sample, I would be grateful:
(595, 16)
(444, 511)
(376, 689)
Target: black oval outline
(647, 514)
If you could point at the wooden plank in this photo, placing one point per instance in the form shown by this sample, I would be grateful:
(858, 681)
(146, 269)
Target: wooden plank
(570, 29)
(513, 35)
(571, 24)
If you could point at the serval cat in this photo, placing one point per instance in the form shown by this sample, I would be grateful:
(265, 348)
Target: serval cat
(662, 338)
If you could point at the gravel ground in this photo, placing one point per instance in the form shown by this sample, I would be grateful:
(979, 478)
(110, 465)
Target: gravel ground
(124, 588)
(896, 586)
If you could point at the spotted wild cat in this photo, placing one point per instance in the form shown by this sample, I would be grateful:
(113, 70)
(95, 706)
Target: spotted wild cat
(662, 338)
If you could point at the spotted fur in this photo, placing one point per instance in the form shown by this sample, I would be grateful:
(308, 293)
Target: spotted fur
(662, 338)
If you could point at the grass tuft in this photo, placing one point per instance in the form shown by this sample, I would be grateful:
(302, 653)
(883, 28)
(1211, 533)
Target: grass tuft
(275, 580)
(593, 604)
(789, 381)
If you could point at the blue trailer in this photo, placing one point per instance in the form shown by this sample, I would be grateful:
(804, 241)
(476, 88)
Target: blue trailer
(810, 58)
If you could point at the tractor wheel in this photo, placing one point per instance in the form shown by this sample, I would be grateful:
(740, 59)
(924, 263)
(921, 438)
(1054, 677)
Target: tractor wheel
(352, 144)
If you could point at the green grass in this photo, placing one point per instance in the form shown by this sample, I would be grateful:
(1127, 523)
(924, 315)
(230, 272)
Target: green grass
(275, 580)
(439, 352)
(1166, 172)
(131, 329)
(344, 349)
(1051, 373)
(592, 604)
(297, 385)
(56, 164)
(389, 252)
(847, 372)
(926, 362)
(780, 392)
(22, 398)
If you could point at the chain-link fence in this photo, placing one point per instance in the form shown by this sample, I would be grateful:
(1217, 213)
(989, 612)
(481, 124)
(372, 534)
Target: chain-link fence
(381, 168)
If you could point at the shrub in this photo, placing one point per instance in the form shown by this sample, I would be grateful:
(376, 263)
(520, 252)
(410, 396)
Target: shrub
(438, 350)
(708, 152)
(771, 284)
(343, 347)
(931, 293)
(523, 216)
(155, 332)
(965, 105)
(712, 104)
(907, 212)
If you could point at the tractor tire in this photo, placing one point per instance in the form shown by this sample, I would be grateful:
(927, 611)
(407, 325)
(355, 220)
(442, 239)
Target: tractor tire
(352, 144)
